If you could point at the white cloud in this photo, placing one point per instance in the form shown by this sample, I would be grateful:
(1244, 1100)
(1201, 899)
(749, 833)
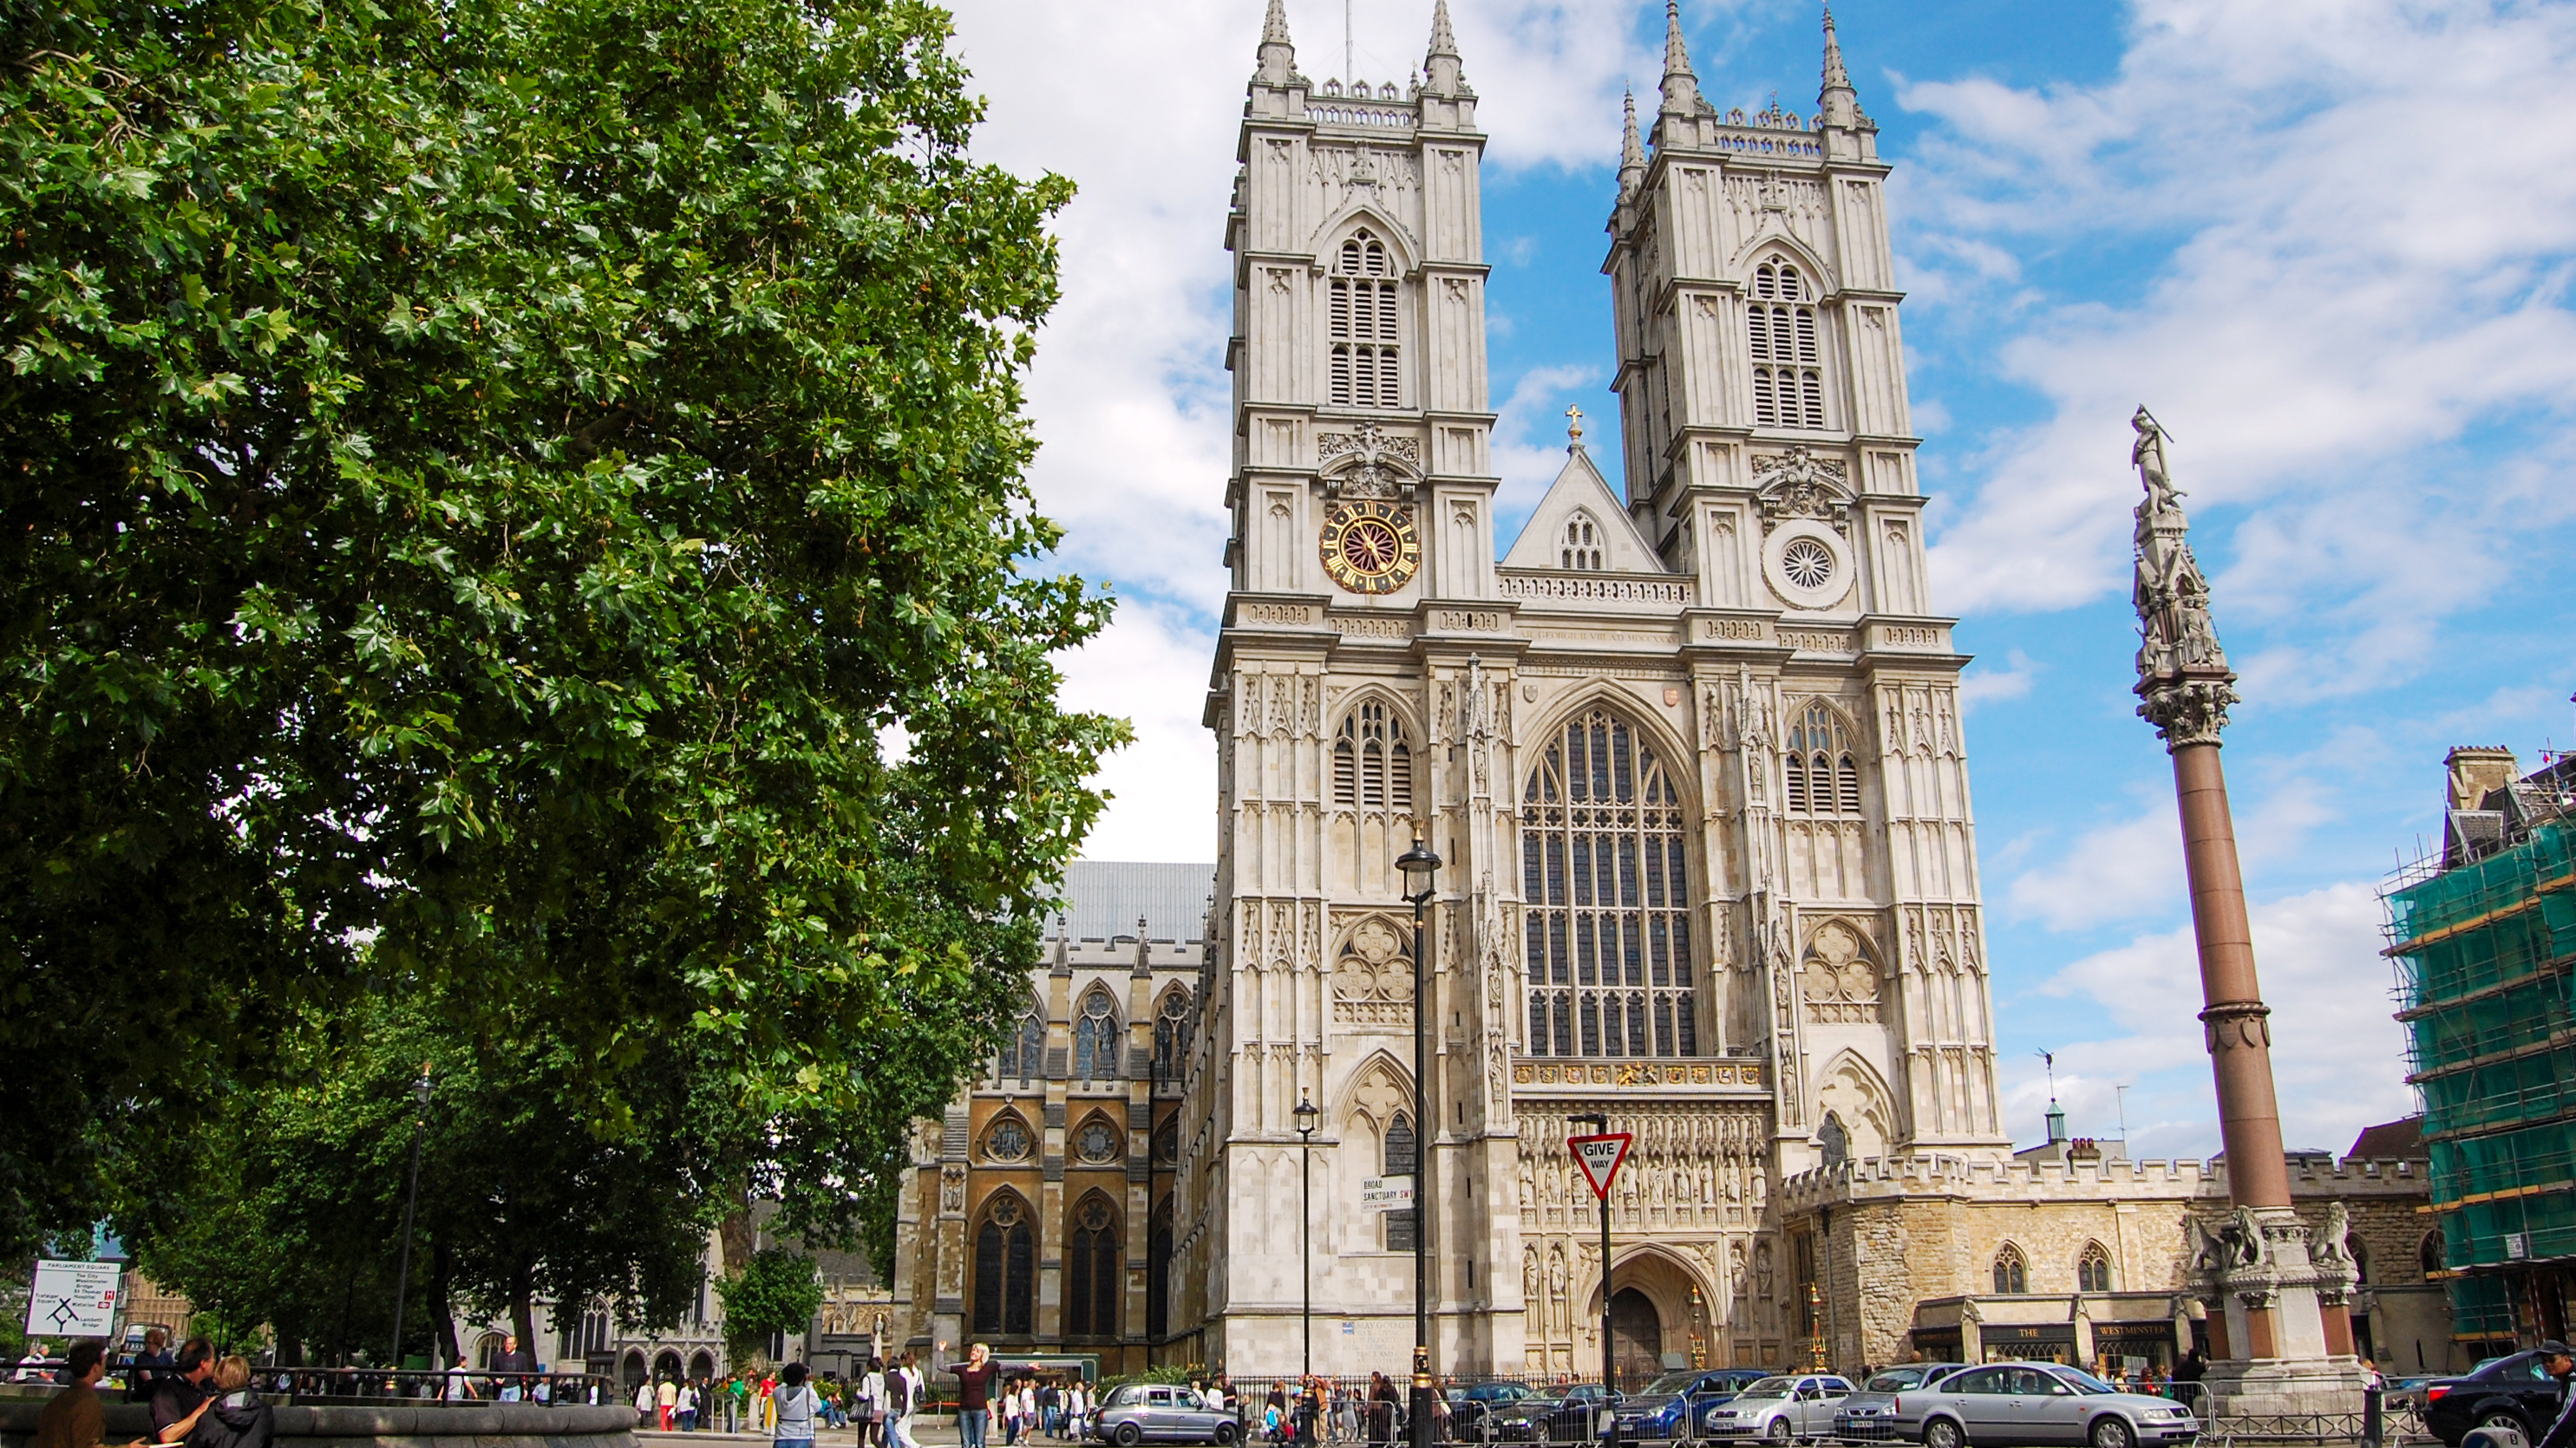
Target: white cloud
(1985, 683)
(1151, 669)
(2335, 277)
(2337, 1056)
(2133, 868)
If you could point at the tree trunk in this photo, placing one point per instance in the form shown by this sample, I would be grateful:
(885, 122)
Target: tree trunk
(738, 1239)
(523, 1312)
(442, 1272)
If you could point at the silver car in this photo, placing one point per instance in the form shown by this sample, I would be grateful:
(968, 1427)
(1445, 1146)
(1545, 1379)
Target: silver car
(1867, 1416)
(1158, 1413)
(1778, 1409)
(2002, 1403)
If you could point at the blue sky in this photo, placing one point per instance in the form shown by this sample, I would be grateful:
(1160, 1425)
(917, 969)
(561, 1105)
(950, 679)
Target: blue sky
(2329, 243)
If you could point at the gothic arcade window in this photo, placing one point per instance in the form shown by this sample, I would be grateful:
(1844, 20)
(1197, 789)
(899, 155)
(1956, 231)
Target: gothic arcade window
(1095, 1037)
(1373, 760)
(1172, 1035)
(1582, 545)
(1024, 1054)
(1398, 1161)
(1822, 762)
(1006, 1268)
(2012, 1274)
(1788, 380)
(1092, 1272)
(2093, 1269)
(1366, 364)
(1608, 898)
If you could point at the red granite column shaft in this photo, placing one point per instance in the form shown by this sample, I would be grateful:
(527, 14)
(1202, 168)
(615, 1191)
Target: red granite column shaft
(2239, 1035)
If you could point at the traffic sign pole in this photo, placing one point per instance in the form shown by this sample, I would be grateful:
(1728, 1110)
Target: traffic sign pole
(1599, 1156)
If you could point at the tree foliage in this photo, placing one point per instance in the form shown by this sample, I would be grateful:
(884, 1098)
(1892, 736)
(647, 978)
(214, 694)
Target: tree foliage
(480, 481)
(776, 1291)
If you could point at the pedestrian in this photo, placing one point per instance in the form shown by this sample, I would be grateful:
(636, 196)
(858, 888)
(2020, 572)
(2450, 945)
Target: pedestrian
(234, 1416)
(666, 1404)
(1382, 1401)
(974, 1394)
(144, 1372)
(1028, 1406)
(179, 1397)
(2559, 1362)
(872, 1404)
(1074, 1402)
(902, 1399)
(519, 1363)
(797, 1406)
(74, 1417)
(687, 1404)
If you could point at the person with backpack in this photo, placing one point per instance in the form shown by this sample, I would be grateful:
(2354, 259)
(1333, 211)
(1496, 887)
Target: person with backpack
(234, 1417)
(798, 1408)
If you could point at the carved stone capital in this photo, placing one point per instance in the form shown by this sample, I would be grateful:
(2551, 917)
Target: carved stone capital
(2186, 709)
(2237, 1023)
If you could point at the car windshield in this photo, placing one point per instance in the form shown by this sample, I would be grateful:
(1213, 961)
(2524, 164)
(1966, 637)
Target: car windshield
(1497, 1392)
(2085, 1382)
(1770, 1388)
(1897, 1381)
(1671, 1383)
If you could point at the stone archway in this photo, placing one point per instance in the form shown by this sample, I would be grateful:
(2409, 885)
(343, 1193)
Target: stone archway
(1636, 1337)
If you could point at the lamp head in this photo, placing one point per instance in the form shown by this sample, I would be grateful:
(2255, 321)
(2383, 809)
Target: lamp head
(1418, 865)
(420, 1088)
(1306, 1111)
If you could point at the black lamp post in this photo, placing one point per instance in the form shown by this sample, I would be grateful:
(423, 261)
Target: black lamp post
(411, 1203)
(1599, 1121)
(1306, 1114)
(1419, 866)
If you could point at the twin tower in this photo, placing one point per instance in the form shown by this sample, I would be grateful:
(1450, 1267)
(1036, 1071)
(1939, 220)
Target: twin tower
(1689, 751)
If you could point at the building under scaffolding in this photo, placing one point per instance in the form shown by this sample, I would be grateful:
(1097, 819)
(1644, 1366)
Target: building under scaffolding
(2483, 934)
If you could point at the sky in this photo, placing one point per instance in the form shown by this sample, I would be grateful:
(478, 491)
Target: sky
(2329, 242)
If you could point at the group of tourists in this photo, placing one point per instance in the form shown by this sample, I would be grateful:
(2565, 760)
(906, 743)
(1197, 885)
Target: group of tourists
(786, 1402)
(198, 1400)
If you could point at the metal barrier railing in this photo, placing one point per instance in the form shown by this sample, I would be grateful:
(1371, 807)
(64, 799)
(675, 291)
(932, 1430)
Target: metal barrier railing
(325, 1386)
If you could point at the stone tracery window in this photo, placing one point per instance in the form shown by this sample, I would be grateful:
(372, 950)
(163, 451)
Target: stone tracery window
(2012, 1273)
(1366, 357)
(1008, 1139)
(1788, 375)
(1373, 760)
(1092, 1270)
(1399, 1160)
(1095, 1037)
(1822, 763)
(1608, 912)
(1172, 1027)
(1099, 1142)
(1582, 545)
(1006, 1255)
(2093, 1269)
(1024, 1054)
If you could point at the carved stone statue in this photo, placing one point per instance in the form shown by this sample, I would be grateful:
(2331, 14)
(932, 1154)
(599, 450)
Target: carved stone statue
(2331, 1244)
(2148, 455)
(2184, 686)
(2201, 1251)
(2244, 1238)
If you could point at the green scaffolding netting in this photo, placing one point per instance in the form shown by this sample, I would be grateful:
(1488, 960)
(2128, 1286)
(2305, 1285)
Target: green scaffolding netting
(2481, 1307)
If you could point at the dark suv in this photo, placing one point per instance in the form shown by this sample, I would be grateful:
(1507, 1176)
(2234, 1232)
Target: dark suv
(1665, 1408)
(2514, 1392)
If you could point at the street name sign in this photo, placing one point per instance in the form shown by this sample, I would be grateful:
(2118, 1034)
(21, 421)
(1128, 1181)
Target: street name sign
(72, 1299)
(1386, 1194)
(1600, 1156)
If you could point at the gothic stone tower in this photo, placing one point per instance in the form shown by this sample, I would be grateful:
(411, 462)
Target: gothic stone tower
(1690, 753)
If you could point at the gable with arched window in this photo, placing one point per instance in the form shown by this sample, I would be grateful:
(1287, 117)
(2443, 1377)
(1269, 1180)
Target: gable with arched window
(1581, 547)
(1024, 1054)
(1092, 1273)
(1373, 759)
(1095, 1036)
(1172, 1031)
(1363, 325)
(1821, 759)
(2093, 1269)
(1608, 913)
(1006, 1270)
(1788, 366)
(2012, 1272)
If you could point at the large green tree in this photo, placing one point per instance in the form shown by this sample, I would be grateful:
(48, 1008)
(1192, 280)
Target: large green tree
(483, 486)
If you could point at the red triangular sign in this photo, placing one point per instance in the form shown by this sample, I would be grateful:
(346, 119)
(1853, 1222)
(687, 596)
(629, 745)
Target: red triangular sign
(1599, 1156)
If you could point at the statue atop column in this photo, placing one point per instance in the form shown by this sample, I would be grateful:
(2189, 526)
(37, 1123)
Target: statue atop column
(2184, 684)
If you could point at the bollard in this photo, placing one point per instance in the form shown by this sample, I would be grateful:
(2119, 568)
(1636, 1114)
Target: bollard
(2373, 1400)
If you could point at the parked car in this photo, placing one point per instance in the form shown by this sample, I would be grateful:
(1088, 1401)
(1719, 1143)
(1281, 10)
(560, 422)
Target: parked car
(1868, 1416)
(1668, 1406)
(2514, 1392)
(1523, 1421)
(1779, 1408)
(1471, 1407)
(1157, 1413)
(2037, 1403)
(1577, 1408)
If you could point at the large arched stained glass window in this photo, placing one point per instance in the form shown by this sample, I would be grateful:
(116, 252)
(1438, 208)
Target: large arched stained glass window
(1095, 1038)
(1092, 1271)
(1006, 1253)
(1608, 895)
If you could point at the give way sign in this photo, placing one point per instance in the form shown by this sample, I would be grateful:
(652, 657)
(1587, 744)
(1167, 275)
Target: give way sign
(1599, 1156)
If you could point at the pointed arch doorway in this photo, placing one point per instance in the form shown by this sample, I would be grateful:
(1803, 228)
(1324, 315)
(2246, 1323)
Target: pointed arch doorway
(1636, 1337)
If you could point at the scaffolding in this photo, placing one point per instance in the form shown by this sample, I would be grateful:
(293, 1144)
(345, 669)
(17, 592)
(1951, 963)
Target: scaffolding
(2484, 947)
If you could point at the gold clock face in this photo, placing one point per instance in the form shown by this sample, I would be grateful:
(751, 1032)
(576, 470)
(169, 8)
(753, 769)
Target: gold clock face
(1371, 547)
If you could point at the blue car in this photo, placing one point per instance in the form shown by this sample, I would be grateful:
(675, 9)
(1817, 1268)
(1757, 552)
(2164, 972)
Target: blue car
(1670, 1405)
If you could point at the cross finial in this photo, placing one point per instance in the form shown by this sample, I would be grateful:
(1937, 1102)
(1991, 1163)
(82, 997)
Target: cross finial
(1574, 425)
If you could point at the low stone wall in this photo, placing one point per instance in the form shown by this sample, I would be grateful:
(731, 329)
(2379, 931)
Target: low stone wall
(423, 1425)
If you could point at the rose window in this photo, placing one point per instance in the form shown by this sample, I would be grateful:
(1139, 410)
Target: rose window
(1807, 563)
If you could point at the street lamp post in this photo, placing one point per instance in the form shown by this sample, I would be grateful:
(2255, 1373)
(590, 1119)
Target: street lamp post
(1420, 866)
(411, 1203)
(1599, 1121)
(1306, 1114)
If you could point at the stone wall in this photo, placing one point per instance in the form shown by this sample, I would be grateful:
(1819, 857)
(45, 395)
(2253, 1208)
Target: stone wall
(426, 1425)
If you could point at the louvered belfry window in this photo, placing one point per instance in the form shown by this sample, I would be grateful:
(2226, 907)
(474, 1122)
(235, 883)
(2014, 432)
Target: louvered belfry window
(1608, 898)
(1373, 760)
(1366, 356)
(1788, 378)
(1822, 766)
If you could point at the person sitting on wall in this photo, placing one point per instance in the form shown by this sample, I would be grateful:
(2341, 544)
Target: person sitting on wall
(74, 1417)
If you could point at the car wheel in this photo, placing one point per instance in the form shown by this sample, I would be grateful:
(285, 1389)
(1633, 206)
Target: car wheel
(1942, 1433)
(2113, 1431)
(2504, 1418)
(1779, 1430)
(1224, 1434)
(1129, 1435)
